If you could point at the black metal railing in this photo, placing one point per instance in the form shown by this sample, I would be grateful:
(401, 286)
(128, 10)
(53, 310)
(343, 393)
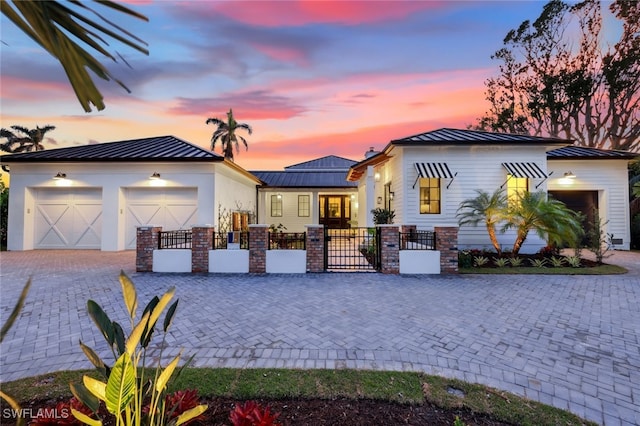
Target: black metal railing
(418, 240)
(224, 240)
(180, 239)
(287, 240)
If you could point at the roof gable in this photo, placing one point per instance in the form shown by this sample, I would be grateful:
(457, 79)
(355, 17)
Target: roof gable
(159, 148)
(330, 162)
(460, 136)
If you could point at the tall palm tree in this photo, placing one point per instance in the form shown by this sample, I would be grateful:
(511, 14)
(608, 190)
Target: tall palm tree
(27, 140)
(68, 33)
(487, 208)
(226, 134)
(550, 218)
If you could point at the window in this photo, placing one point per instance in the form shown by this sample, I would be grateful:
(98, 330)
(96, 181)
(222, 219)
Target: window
(515, 187)
(303, 205)
(429, 196)
(276, 205)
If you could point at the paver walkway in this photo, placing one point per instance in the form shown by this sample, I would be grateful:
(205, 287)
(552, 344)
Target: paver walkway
(569, 341)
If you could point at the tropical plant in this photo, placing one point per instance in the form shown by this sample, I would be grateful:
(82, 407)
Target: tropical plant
(126, 389)
(486, 208)
(538, 263)
(383, 216)
(549, 218)
(556, 79)
(5, 329)
(501, 262)
(66, 31)
(557, 262)
(226, 134)
(574, 261)
(28, 140)
(252, 414)
(480, 261)
(599, 242)
(515, 261)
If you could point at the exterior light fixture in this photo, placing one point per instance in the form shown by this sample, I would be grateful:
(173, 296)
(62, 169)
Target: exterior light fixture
(376, 176)
(155, 176)
(569, 175)
(60, 175)
(391, 194)
(279, 196)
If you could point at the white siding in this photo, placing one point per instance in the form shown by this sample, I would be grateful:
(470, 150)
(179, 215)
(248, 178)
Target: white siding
(233, 191)
(610, 179)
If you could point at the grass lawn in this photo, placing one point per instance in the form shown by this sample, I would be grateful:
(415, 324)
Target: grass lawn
(404, 388)
(596, 270)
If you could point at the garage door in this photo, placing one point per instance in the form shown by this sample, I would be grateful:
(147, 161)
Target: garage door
(68, 218)
(171, 208)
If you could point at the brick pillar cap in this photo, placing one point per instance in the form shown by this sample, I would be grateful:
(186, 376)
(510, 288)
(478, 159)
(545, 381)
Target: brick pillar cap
(388, 225)
(314, 226)
(258, 225)
(148, 226)
(446, 226)
(206, 225)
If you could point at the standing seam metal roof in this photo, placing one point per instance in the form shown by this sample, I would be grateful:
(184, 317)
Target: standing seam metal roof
(159, 148)
(583, 152)
(305, 179)
(447, 135)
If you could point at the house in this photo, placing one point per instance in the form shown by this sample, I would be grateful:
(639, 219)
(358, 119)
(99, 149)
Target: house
(312, 192)
(94, 196)
(424, 178)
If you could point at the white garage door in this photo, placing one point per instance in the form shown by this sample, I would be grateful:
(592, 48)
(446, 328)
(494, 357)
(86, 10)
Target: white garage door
(68, 218)
(171, 208)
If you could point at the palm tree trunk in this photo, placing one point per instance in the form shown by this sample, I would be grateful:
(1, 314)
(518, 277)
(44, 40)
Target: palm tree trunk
(494, 240)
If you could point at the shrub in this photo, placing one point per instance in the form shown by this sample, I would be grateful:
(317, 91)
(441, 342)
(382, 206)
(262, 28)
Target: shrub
(549, 251)
(515, 261)
(383, 216)
(252, 414)
(573, 261)
(557, 262)
(501, 262)
(480, 260)
(538, 263)
(599, 242)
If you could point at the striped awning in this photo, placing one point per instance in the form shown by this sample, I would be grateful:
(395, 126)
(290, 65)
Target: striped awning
(524, 170)
(433, 170)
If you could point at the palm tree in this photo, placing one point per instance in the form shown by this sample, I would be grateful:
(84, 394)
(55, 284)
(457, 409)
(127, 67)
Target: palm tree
(549, 218)
(226, 134)
(487, 208)
(58, 27)
(28, 140)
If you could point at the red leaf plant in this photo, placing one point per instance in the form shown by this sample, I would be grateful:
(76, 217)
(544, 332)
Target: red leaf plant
(178, 402)
(253, 414)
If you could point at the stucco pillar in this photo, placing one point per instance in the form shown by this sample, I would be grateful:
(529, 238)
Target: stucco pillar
(201, 243)
(147, 238)
(258, 245)
(447, 244)
(389, 249)
(315, 248)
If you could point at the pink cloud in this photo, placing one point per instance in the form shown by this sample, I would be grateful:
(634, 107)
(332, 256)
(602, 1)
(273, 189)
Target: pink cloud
(302, 12)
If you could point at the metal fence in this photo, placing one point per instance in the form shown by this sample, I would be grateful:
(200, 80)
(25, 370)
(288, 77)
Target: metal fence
(418, 240)
(180, 239)
(287, 240)
(233, 239)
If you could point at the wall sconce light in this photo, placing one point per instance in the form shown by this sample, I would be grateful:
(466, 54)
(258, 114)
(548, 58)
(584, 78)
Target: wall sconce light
(391, 194)
(376, 176)
(279, 196)
(569, 175)
(60, 175)
(155, 176)
(353, 197)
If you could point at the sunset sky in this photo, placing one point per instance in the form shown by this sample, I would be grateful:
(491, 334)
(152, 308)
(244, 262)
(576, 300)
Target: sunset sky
(312, 78)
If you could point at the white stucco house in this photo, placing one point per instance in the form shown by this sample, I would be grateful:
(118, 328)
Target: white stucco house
(94, 196)
(424, 178)
(312, 192)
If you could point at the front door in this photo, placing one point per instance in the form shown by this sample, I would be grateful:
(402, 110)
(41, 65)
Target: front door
(335, 211)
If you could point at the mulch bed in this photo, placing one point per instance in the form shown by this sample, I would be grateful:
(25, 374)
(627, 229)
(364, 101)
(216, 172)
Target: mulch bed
(362, 412)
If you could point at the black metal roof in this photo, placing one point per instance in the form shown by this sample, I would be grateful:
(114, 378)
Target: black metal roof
(583, 152)
(305, 179)
(159, 148)
(460, 136)
(330, 162)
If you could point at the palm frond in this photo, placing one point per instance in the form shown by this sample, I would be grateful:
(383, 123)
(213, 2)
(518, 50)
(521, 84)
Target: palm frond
(52, 24)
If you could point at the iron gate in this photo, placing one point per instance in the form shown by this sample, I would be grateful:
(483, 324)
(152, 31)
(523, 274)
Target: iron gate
(354, 249)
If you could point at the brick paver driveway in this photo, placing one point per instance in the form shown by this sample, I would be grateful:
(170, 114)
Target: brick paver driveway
(569, 341)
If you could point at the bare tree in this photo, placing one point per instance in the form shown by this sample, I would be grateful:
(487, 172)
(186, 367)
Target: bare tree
(558, 79)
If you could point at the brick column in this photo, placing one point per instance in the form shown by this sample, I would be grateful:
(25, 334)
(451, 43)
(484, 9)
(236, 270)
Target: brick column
(407, 229)
(258, 245)
(315, 248)
(147, 238)
(201, 243)
(447, 244)
(389, 249)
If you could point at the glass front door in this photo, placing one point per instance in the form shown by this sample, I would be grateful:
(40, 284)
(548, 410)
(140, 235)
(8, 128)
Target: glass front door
(335, 211)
